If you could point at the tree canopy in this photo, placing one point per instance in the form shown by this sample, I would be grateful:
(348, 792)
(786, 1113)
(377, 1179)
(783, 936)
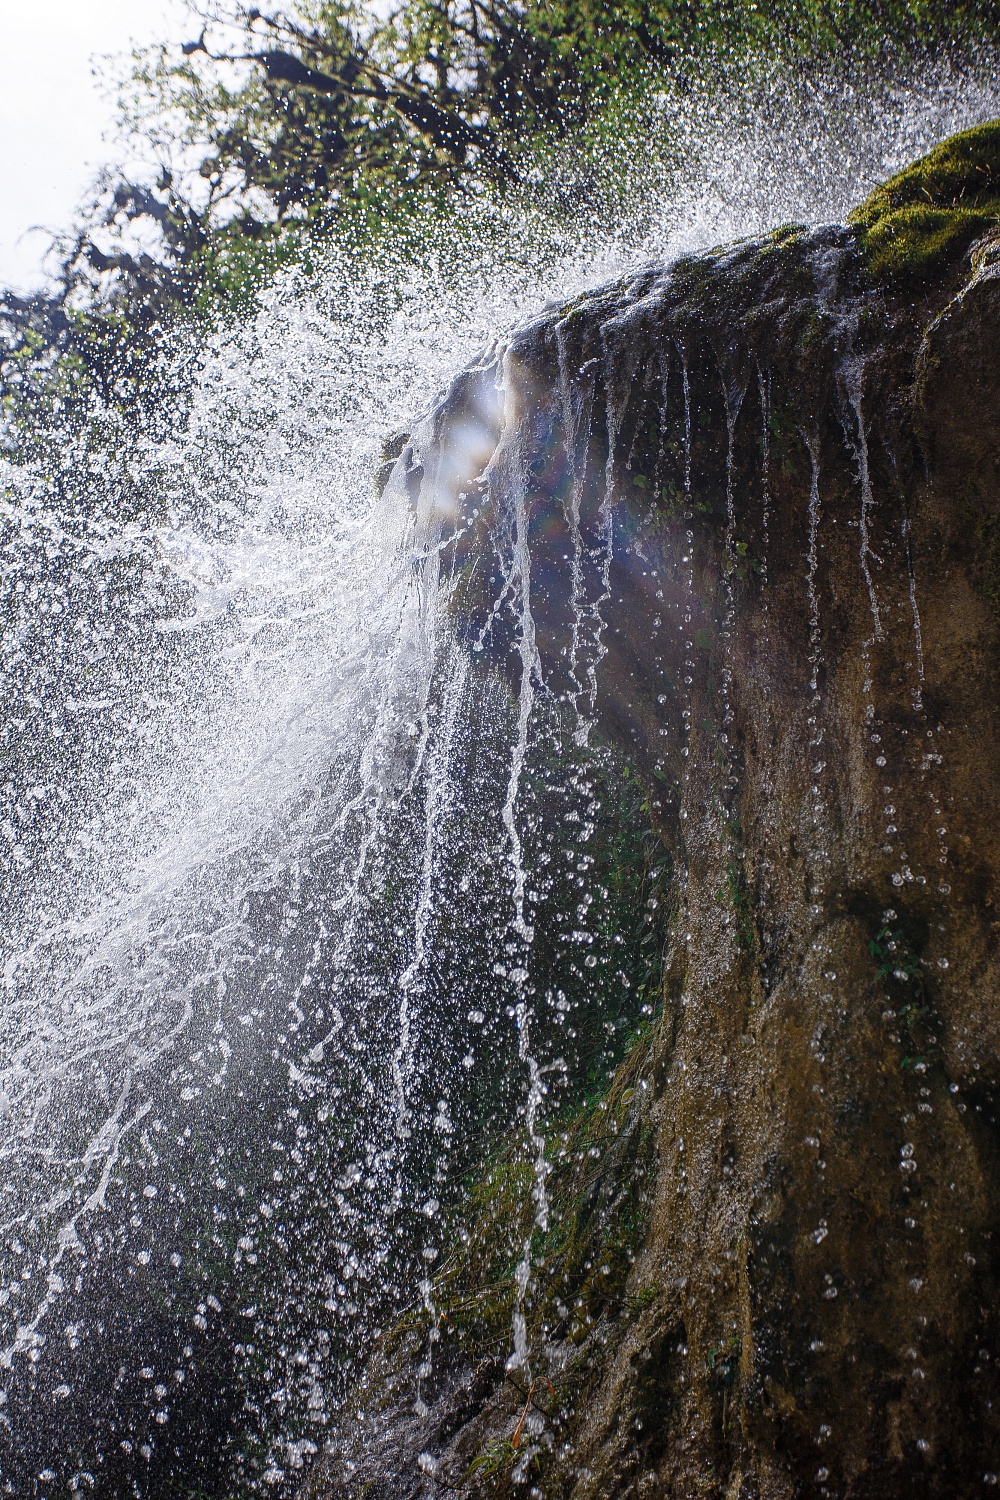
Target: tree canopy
(272, 128)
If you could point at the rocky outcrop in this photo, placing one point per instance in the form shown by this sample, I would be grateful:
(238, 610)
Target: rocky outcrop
(749, 506)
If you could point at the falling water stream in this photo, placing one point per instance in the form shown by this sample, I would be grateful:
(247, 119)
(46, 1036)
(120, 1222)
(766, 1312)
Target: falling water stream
(297, 882)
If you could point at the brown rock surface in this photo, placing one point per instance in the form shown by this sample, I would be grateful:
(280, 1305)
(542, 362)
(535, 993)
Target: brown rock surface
(794, 554)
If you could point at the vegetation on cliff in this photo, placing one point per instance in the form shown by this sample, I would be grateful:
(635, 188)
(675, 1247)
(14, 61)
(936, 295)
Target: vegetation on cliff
(912, 224)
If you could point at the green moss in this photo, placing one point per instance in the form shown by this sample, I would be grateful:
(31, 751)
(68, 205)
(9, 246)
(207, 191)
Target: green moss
(917, 1026)
(787, 232)
(931, 212)
(600, 1166)
(598, 1159)
(736, 895)
(693, 271)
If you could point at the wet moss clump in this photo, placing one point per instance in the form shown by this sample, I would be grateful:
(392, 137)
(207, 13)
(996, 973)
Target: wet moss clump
(930, 213)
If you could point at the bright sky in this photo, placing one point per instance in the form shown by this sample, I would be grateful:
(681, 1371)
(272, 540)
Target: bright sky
(54, 114)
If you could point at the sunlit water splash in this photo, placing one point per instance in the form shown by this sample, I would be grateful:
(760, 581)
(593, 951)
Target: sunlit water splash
(269, 914)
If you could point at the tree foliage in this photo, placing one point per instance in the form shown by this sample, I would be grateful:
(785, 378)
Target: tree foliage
(271, 129)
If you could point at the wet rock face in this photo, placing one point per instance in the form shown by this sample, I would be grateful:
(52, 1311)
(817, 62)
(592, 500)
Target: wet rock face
(749, 506)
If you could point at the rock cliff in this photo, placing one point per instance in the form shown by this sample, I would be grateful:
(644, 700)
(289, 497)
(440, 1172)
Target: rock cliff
(751, 505)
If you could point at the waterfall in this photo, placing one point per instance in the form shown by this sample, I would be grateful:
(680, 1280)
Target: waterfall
(302, 912)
